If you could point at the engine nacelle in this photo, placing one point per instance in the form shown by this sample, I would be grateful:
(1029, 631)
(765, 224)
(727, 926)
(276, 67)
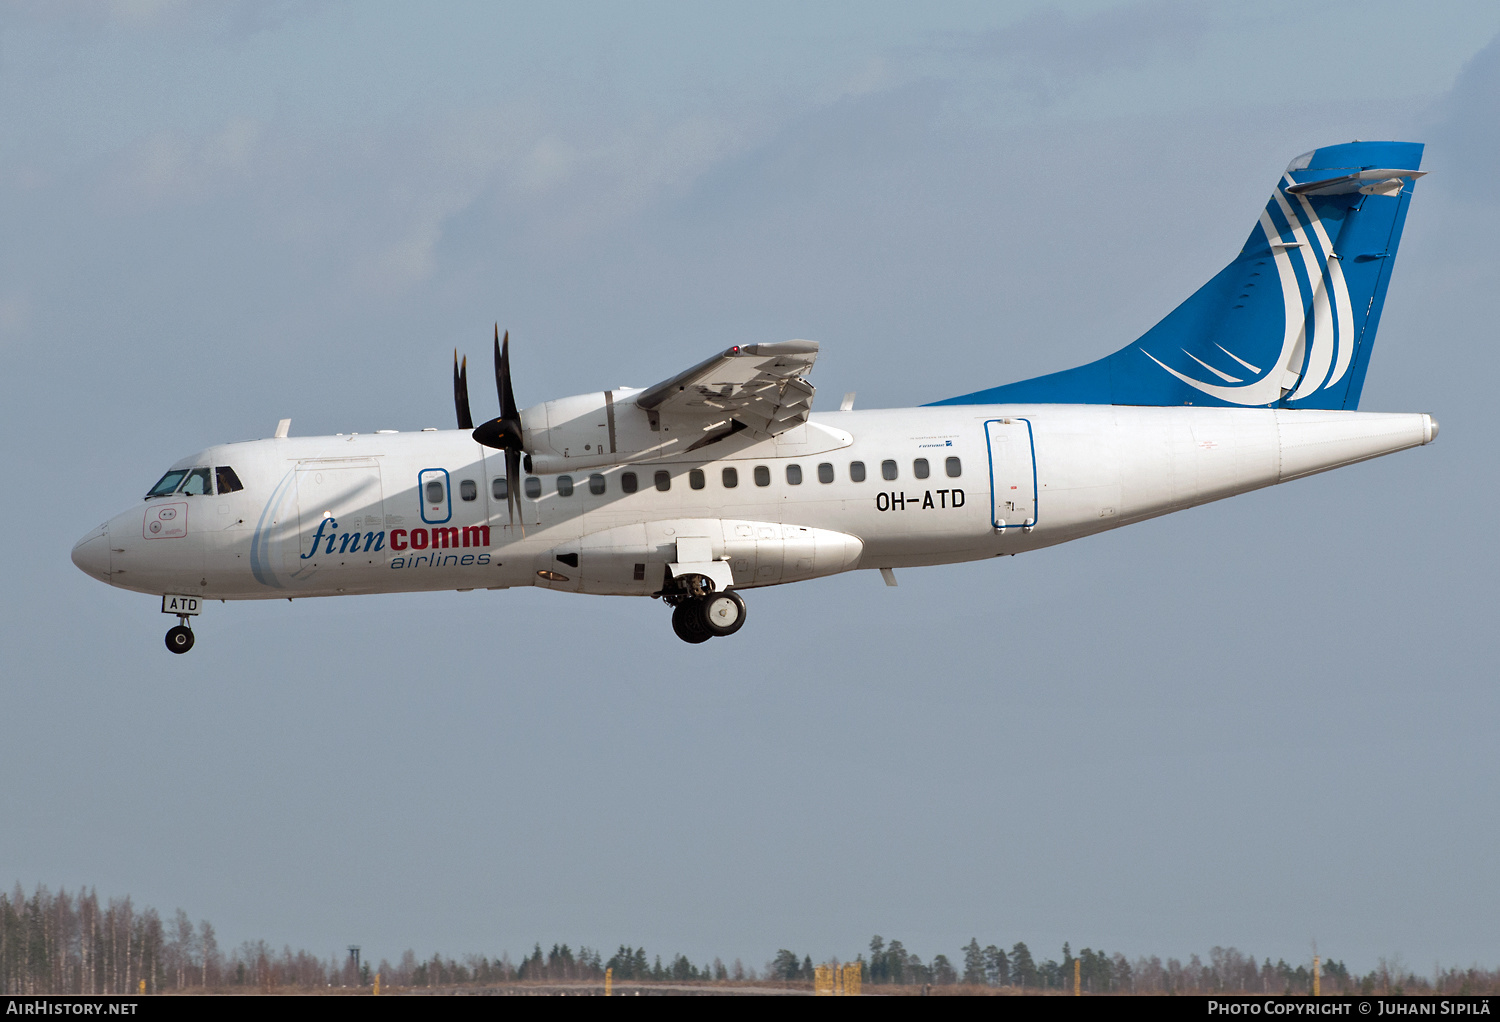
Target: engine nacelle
(587, 431)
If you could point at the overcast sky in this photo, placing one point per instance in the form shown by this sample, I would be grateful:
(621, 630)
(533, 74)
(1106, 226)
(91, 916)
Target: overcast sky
(1261, 723)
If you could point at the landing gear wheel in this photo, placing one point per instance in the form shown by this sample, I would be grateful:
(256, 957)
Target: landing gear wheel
(179, 639)
(723, 613)
(689, 623)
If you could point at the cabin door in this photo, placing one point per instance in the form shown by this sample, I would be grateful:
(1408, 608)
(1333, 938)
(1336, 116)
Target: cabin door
(1012, 473)
(340, 517)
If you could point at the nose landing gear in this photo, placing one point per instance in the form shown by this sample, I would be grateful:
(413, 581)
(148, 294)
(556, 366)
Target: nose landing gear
(180, 638)
(183, 608)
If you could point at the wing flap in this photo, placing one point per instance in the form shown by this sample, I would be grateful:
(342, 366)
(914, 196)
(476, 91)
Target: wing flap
(759, 386)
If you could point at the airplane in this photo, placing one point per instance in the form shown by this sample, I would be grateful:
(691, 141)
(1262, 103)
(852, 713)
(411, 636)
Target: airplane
(721, 479)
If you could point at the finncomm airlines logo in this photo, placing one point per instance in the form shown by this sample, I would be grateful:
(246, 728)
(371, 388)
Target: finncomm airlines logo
(328, 540)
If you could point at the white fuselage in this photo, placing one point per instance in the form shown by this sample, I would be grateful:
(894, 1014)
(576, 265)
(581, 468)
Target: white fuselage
(400, 512)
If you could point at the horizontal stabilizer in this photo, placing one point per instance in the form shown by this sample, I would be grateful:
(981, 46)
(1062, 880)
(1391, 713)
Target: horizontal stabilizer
(1366, 181)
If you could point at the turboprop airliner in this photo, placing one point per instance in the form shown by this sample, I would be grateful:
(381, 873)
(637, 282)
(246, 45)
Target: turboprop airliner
(720, 479)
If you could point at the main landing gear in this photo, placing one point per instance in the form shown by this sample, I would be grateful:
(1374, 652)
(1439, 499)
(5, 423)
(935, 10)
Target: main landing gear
(698, 616)
(180, 638)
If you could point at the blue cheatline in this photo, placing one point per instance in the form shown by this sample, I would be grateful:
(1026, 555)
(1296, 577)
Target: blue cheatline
(1290, 323)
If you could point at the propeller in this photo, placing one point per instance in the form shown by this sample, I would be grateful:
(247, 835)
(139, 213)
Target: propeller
(461, 391)
(503, 433)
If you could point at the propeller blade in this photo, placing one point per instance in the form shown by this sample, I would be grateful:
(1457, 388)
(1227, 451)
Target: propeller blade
(461, 391)
(508, 409)
(504, 432)
(512, 480)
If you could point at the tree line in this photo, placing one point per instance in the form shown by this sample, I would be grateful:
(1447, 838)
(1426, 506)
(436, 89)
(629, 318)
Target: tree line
(561, 964)
(71, 944)
(1227, 971)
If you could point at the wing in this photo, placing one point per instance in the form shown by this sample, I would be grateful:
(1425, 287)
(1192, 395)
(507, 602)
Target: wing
(759, 387)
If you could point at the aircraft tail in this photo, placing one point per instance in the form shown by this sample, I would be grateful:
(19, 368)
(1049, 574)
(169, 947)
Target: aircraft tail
(1290, 323)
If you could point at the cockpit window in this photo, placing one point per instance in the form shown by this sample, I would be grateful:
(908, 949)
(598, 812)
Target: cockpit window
(167, 484)
(227, 481)
(197, 483)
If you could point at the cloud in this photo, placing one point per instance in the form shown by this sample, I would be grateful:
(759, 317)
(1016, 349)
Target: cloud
(1049, 53)
(230, 21)
(174, 168)
(1461, 120)
(144, 10)
(376, 202)
(529, 178)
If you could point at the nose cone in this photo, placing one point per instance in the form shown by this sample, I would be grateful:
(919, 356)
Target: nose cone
(91, 553)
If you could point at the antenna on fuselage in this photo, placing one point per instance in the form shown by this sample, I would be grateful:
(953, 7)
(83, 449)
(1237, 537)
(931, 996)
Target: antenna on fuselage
(283, 428)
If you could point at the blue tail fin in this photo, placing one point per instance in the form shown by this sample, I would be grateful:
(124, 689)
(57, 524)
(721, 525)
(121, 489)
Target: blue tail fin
(1290, 323)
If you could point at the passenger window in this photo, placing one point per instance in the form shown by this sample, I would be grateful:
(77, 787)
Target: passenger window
(596, 484)
(731, 478)
(794, 475)
(227, 481)
(955, 469)
(762, 475)
(197, 483)
(696, 480)
(533, 487)
(434, 491)
(627, 482)
(857, 471)
(468, 490)
(500, 489)
(888, 469)
(920, 469)
(663, 480)
(565, 486)
(167, 483)
(825, 473)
